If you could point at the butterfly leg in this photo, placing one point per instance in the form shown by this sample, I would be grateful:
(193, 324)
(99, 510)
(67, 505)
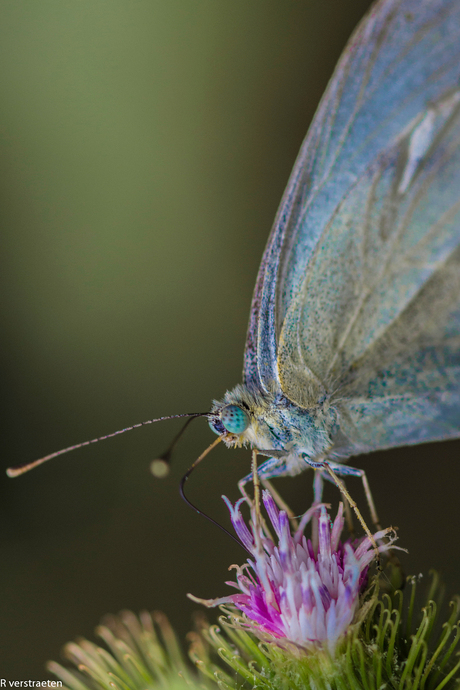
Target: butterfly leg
(272, 467)
(267, 470)
(254, 504)
(318, 486)
(328, 467)
(256, 484)
(320, 476)
(347, 471)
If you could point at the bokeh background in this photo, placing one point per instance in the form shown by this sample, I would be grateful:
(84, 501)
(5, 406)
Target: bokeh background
(145, 146)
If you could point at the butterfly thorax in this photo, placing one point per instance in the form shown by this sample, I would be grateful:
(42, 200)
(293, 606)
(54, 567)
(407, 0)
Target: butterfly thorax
(270, 422)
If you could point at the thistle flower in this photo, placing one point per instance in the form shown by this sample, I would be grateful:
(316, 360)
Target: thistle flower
(391, 646)
(303, 591)
(303, 618)
(387, 648)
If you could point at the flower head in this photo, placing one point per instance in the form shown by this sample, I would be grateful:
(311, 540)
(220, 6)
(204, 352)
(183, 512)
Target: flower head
(302, 590)
(143, 653)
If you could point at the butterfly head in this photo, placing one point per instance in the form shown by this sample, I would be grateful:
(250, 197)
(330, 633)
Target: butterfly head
(231, 422)
(245, 417)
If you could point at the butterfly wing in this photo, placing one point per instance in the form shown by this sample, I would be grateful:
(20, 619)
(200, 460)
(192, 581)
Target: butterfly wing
(386, 297)
(358, 292)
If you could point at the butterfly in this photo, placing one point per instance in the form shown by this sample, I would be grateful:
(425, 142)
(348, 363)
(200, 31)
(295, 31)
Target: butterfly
(353, 342)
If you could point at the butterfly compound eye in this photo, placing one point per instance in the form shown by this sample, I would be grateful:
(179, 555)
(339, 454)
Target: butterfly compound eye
(234, 419)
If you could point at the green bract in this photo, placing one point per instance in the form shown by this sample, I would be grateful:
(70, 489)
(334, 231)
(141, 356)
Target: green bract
(393, 645)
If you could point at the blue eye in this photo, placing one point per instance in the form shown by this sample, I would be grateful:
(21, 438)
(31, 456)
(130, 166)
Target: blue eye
(234, 419)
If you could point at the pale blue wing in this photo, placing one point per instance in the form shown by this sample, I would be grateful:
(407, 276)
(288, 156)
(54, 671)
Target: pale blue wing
(402, 57)
(394, 361)
(390, 242)
(359, 290)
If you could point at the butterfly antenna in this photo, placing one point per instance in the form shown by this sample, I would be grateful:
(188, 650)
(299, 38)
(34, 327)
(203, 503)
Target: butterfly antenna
(191, 505)
(162, 464)
(21, 469)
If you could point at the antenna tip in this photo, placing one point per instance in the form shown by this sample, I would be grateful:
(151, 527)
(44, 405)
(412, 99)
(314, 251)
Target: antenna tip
(12, 472)
(159, 468)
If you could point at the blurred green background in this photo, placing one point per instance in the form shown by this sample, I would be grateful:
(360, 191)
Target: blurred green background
(145, 146)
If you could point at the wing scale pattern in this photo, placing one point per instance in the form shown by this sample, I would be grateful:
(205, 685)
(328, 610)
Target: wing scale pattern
(358, 294)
